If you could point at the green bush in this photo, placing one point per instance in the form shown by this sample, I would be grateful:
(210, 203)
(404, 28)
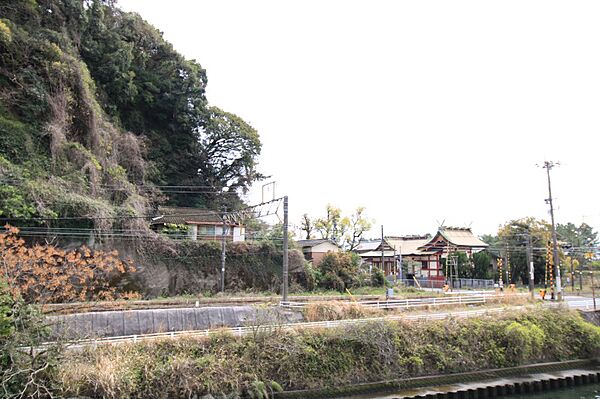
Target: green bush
(339, 271)
(377, 278)
(24, 373)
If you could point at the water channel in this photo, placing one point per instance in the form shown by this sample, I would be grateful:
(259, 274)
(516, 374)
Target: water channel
(591, 391)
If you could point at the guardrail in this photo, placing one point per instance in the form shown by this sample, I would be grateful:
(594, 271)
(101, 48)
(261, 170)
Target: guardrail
(419, 302)
(241, 331)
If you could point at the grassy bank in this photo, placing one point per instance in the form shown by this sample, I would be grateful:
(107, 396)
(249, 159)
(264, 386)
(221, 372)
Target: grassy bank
(223, 365)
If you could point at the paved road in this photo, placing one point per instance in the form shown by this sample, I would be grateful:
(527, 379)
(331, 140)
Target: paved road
(582, 303)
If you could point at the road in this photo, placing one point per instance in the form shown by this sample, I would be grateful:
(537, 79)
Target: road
(582, 303)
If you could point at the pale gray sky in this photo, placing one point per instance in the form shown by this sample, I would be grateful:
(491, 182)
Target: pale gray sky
(421, 111)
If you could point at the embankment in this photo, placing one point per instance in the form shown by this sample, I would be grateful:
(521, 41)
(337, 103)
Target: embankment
(226, 366)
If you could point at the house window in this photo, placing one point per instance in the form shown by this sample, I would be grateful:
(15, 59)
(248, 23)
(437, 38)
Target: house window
(424, 264)
(204, 230)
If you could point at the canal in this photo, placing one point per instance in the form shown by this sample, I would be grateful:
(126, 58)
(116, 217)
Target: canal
(582, 392)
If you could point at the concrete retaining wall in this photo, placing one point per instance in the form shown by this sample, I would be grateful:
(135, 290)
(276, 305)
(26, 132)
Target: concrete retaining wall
(478, 384)
(137, 322)
(521, 387)
(592, 316)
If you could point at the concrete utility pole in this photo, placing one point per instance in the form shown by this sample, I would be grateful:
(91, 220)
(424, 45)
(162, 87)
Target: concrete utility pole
(506, 265)
(400, 272)
(531, 269)
(223, 249)
(549, 165)
(285, 249)
(593, 289)
(572, 275)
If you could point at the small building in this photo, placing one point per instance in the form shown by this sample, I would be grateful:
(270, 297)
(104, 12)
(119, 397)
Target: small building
(315, 250)
(372, 251)
(197, 224)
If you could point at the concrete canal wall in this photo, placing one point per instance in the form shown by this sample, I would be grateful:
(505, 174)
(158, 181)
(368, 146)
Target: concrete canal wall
(137, 322)
(473, 385)
(534, 384)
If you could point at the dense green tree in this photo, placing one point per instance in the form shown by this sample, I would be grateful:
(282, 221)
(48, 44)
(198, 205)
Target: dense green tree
(577, 240)
(482, 265)
(512, 240)
(228, 149)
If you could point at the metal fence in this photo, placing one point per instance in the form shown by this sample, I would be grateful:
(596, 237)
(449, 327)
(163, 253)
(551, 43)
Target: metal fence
(456, 283)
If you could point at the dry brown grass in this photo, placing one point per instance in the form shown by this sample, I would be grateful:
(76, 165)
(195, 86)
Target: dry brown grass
(106, 372)
(338, 310)
(511, 298)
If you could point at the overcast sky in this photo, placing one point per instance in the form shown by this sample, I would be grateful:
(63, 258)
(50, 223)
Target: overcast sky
(421, 111)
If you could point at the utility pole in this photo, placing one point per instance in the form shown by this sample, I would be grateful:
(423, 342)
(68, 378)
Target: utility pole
(456, 275)
(572, 275)
(549, 165)
(506, 266)
(223, 249)
(382, 252)
(530, 263)
(400, 272)
(285, 249)
(593, 289)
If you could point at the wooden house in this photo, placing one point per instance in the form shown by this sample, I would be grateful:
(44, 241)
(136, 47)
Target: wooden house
(372, 251)
(196, 224)
(315, 250)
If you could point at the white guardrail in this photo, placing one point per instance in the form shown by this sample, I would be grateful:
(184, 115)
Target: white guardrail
(418, 302)
(241, 331)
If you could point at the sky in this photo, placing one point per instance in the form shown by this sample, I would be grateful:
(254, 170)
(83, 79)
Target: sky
(424, 112)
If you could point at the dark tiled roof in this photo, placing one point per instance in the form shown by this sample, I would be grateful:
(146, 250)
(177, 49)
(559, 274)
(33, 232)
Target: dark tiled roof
(180, 215)
(312, 243)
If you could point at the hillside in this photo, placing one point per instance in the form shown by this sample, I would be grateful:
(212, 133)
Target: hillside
(100, 117)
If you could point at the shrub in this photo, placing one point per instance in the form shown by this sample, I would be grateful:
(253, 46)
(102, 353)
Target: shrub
(23, 373)
(44, 273)
(377, 278)
(337, 310)
(339, 270)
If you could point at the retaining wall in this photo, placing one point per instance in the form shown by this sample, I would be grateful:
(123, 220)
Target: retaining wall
(592, 316)
(474, 385)
(137, 322)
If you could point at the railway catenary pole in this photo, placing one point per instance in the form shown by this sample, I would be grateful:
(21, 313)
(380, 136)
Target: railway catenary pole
(223, 249)
(285, 250)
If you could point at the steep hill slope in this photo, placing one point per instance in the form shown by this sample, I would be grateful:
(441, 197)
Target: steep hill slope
(98, 111)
